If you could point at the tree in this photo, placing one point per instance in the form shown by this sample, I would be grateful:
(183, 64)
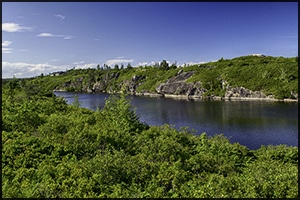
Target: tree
(106, 66)
(76, 103)
(164, 65)
(13, 84)
(174, 65)
(129, 66)
(116, 66)
(91, 78)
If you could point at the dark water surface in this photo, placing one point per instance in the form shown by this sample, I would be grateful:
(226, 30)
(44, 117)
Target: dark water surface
(251, 123)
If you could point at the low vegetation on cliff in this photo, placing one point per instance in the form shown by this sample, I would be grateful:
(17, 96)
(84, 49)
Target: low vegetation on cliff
(54, 150)
(246, 76)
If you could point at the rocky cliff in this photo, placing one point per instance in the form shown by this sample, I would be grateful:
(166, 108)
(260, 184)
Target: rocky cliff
(178, 86)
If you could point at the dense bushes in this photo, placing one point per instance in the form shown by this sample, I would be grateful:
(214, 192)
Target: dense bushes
(51, 149)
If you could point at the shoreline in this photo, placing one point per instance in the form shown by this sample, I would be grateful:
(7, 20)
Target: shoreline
(197, 98)
(216, 98)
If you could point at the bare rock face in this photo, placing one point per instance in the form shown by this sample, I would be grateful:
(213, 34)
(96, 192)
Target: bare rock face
(176, 85)
(177, 88)
(131, 85)
(99, 87)
(197, 91)
(181, 77)
(243, 92)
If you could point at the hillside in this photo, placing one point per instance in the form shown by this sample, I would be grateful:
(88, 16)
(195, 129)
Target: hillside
(241, 77)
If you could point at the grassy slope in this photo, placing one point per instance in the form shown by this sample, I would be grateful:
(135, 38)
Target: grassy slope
(272, 75)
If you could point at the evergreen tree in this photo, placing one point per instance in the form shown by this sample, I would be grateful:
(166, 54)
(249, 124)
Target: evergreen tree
(164, 65)
(129, 66)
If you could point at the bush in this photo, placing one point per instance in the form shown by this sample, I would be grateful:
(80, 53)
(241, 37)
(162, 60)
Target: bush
(50, 149)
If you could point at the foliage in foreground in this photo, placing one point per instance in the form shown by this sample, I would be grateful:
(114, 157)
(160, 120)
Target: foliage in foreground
(51, 149)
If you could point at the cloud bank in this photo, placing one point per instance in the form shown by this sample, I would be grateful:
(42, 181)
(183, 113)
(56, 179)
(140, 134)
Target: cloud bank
(5, 44)
(118, 61)
(80, 65)
(26, 70)
(12, 27)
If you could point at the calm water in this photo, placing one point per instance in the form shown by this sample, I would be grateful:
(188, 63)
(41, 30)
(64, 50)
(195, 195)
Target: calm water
(251, 123)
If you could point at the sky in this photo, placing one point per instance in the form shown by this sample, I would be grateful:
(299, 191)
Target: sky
(44, 37)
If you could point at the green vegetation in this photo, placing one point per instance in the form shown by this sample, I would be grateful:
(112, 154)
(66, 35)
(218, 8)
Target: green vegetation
(54, 150)
(275, 76)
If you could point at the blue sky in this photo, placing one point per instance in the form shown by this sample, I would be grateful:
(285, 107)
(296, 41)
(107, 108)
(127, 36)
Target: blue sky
(43, 37)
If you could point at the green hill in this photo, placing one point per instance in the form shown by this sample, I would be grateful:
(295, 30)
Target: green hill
(256, 76)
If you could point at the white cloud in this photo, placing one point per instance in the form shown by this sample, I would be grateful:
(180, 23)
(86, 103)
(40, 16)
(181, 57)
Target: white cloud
(26, 70)
(45, 35)
(5, 44)
(191, 63)
(143, 63)
(118, 61)
(61, 17)
(85, 66)
(66, 37)
(6, 50)
(152, 63)
(12, 27)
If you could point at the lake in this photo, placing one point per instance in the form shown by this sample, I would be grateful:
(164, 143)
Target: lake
(251, 123)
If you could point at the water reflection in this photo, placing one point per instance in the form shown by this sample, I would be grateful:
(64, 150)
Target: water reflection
(251, 123)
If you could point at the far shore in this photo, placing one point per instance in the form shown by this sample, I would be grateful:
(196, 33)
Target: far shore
(215, 98)
(195, 98)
